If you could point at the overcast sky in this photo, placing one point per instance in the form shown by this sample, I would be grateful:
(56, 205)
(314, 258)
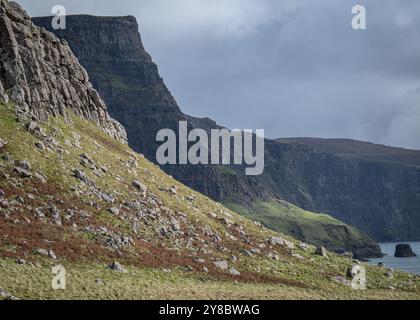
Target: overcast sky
(293, 68)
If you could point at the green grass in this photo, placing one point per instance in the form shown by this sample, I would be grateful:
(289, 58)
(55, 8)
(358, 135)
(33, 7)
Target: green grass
(26, 282)
(319, 229)
(85, 259)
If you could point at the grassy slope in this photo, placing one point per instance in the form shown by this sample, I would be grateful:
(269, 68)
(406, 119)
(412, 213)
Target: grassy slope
(318, 229)
(85, 256)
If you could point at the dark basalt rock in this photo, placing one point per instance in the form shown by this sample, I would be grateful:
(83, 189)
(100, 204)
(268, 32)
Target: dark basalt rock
(404, 251)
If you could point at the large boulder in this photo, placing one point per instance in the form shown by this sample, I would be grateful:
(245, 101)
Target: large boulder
(404, 251)
(321, 251)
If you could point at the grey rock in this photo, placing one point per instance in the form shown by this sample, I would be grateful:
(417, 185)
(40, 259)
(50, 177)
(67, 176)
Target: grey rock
(281, 242)
(114, 211)
(342, 280)
(3, 143)
(22, 172)
(304, 246)
(117, 267)
(234, 272)
(404, 251)
(40, 145)
(33, 126)
(80, 175)
(321, 251)
(24, 164)
(140, 186)
(223, 265)
(46, 253)
(7, 296)
(389, 274)
(175, 225)
(40, 177)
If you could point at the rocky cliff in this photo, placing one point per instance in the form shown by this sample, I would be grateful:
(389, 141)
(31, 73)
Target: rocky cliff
(42, 76)
(381, 198)
(124, 74)
(74, 198)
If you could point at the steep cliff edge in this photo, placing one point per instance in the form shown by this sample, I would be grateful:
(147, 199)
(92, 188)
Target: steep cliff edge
(124, 74)
(42, 76)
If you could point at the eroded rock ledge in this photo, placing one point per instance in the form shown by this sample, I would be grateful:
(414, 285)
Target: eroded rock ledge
(41, 75)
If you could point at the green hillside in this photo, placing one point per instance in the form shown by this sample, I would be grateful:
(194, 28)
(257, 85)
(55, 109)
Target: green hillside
(74, 196)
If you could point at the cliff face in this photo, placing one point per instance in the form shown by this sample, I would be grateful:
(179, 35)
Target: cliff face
(110, 48)
(42, 76)
(381, 199)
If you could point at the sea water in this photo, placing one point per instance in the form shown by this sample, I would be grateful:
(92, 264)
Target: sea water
(405, 264)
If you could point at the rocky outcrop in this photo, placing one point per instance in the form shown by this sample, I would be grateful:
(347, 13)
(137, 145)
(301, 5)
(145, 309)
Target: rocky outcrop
(404, 251)
(41, 75)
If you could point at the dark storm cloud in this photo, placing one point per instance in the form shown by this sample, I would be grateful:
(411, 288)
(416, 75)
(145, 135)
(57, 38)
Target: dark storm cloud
(294, 68)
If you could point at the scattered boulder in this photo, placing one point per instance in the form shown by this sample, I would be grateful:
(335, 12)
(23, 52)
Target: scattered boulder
(223, 265)
(175, 225)
(7, 296)
(23, 173)
(4, 204)
(114, 211)
(139, 186)
(234, 272)
(404, 251)
(298, 256)
(25, 164)
(46, 253)
(304, 246)
(3, 143)
(389, 274)
(80, 175)
(40, 145)
(117, 267)
(281, 242)
(173, 190)
(40, 177)
(33, 126)
(321, 251)
(342, 280)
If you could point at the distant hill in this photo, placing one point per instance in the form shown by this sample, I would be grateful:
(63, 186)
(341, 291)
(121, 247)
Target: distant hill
(353, 149)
